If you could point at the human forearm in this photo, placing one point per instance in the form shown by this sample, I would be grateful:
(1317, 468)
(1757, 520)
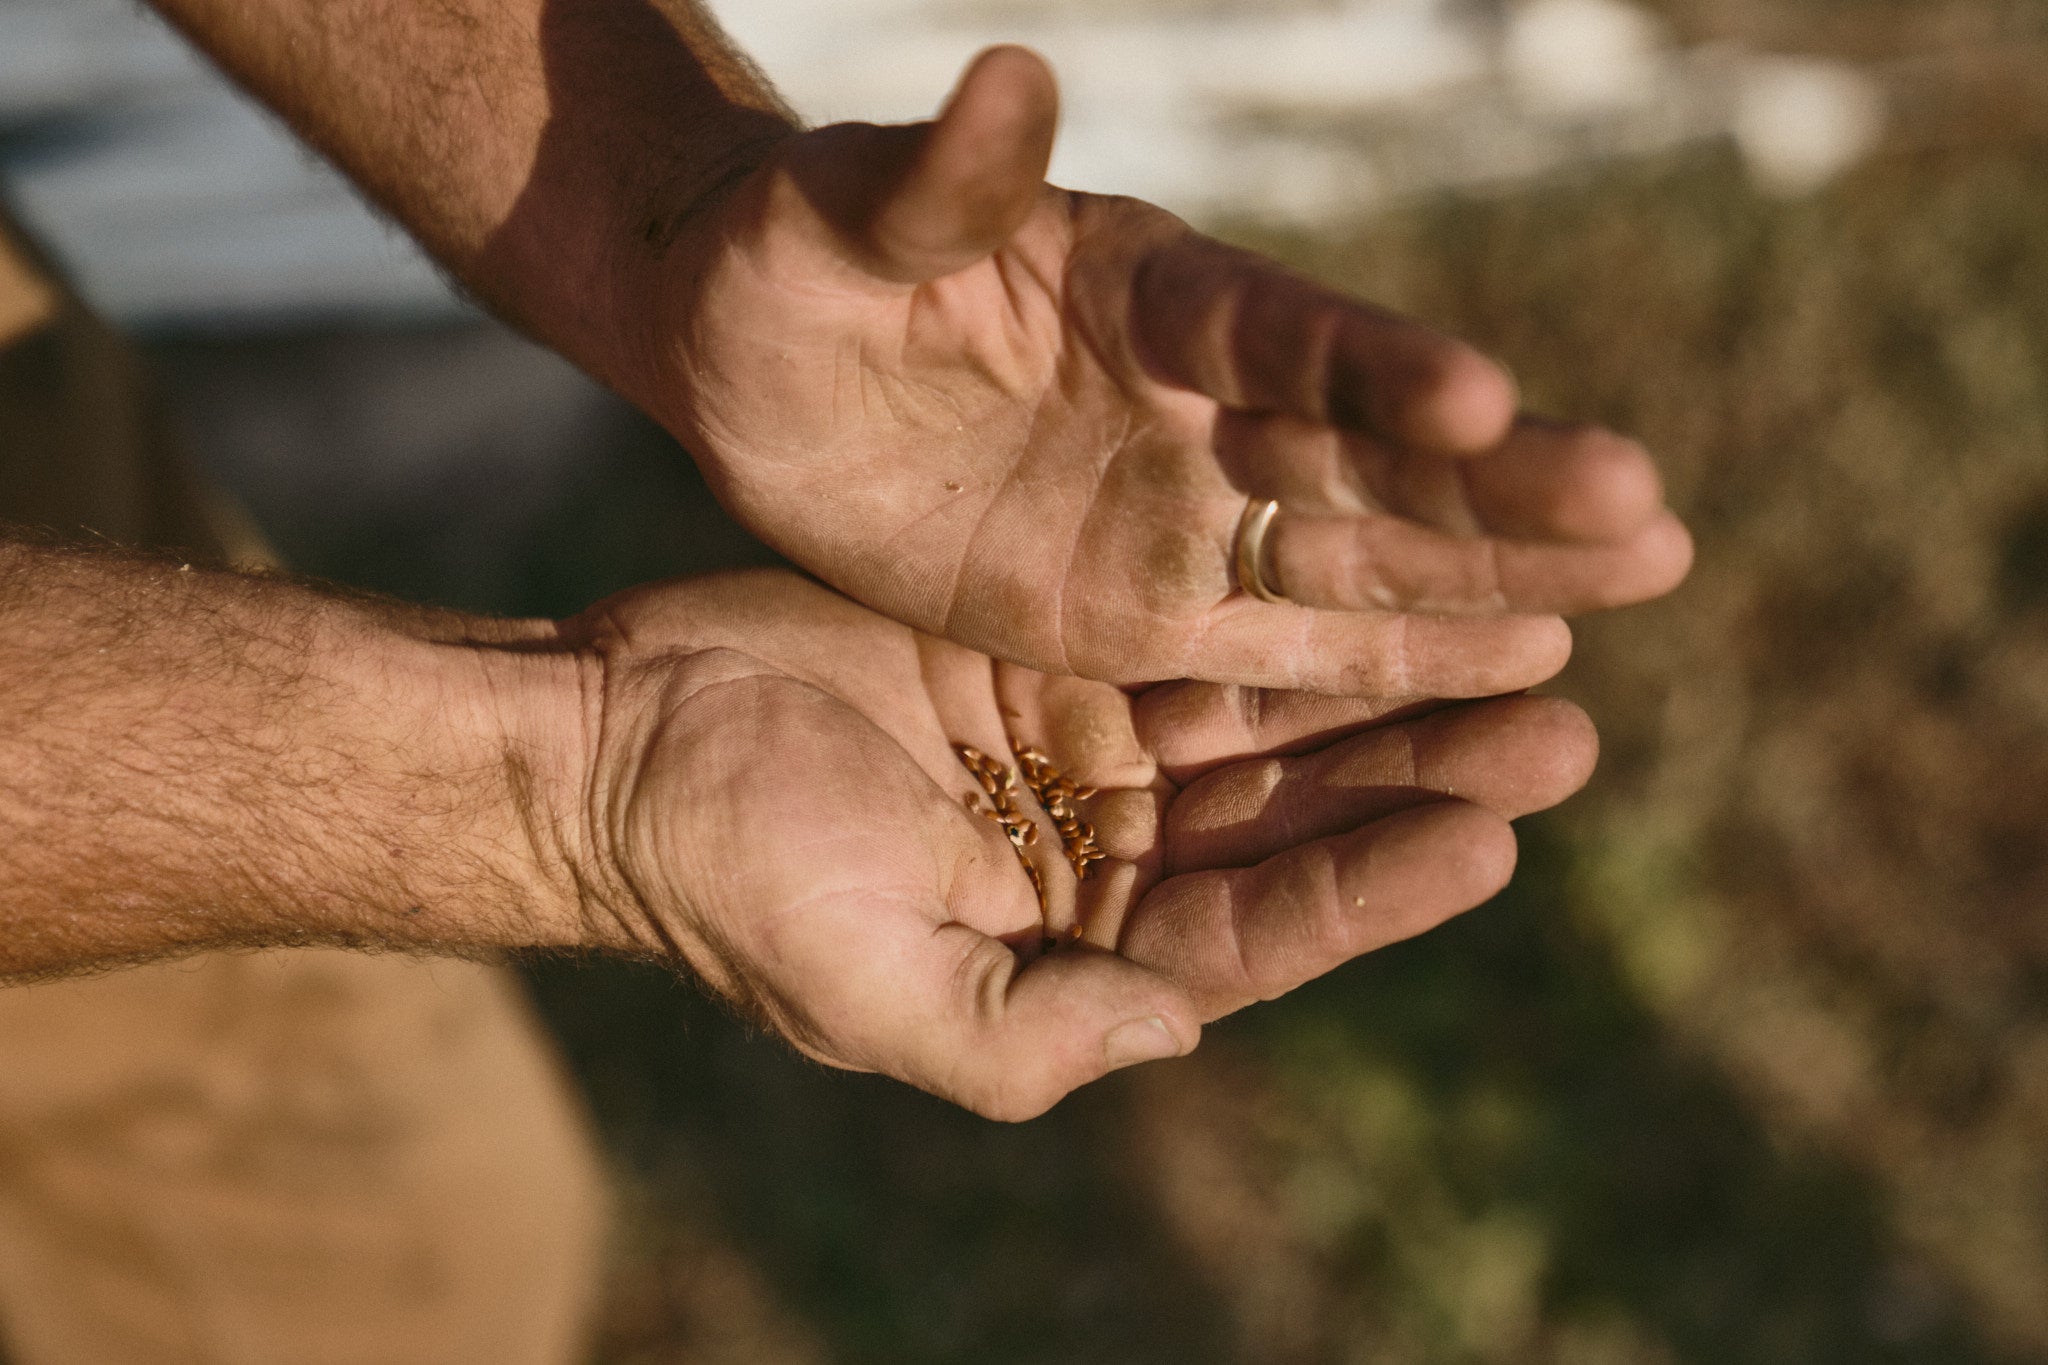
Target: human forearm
(527, 144)
(1030, 421)
(194, 759)
(745, 776)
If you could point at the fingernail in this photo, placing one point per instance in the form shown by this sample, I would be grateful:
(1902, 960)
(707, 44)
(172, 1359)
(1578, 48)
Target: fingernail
(1141, 1040)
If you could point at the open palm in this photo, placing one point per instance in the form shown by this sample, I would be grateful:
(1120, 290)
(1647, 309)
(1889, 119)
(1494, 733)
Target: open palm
(1029, 420)
(780, 793)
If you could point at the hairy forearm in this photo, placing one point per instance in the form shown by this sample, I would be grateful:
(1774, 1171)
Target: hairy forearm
(529, 144)
(192, 758)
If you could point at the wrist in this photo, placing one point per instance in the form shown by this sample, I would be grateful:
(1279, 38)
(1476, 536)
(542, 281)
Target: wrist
(461, 740)
(509, 724)
(575, 722)
(656, 259)
(642, 802)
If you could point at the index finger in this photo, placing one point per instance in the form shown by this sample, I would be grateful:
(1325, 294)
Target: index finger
(1372, 653)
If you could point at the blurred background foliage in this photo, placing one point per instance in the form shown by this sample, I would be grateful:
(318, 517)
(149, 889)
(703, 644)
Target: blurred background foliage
(1751, 1062)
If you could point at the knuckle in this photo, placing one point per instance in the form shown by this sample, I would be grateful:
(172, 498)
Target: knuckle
(1383, 664)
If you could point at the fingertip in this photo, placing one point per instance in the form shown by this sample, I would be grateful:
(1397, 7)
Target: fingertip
(1643, 568)
(1011, 73)
(1671, 545)
(1573, 730)
(1147, 1039)
(1002, 115)
(1466, 657)
(1464, 852)
(1512, 755)
(1617, 489)
(1537, 650)
(1490, 852)
(1453, 401)
(1562, 750)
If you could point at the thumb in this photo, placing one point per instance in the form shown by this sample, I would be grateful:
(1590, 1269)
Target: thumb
(1011, 1041)
(918, 201)
(955, 1012)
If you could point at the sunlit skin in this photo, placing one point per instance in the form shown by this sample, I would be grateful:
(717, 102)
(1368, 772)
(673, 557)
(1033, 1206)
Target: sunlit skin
(1029, 420)
(1020, 421)
(777, 788)
(1022, 418)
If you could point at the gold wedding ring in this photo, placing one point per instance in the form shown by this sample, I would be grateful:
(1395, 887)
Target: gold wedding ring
(1251, 548)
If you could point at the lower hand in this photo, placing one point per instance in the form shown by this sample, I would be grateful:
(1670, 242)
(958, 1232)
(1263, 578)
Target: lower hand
(776, 799)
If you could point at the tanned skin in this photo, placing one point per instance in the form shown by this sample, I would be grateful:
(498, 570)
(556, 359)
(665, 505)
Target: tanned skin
(1021, 418)
(1018, 423)
(747, 777)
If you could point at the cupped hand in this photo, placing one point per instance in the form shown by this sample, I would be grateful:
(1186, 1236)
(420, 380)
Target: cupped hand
(1029, 421)
(778, 799)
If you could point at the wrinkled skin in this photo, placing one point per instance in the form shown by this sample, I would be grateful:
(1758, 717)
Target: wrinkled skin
(777, 800)
(1028, 420)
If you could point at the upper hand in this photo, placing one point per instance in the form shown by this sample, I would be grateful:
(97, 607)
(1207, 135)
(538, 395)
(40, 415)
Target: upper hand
(776, 799)
(1028, 420)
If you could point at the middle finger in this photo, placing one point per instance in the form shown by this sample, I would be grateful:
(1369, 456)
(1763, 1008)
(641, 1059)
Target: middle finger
(1512, 755)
